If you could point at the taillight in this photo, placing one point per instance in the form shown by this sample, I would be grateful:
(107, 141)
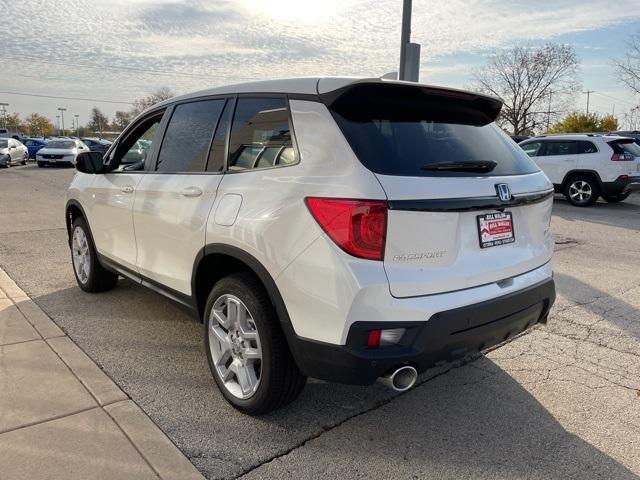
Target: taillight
(622, 157)
(358, 227)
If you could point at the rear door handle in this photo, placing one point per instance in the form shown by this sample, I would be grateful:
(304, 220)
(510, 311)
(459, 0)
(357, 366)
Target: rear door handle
(127, 189)
(191, 192)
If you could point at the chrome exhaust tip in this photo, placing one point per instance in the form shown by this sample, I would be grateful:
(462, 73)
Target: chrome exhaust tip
(401, 379)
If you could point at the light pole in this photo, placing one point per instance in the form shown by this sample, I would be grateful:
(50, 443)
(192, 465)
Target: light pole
(62, 110)
(4, 114)
(409, 52)
(58, 124)
(77, 126)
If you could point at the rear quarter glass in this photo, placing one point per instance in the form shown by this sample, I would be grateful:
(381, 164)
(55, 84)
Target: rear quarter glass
(402, 134)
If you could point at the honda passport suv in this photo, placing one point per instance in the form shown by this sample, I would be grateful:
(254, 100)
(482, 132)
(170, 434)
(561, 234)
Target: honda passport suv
(341, 229)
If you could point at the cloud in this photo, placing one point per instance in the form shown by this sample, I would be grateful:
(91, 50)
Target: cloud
(126, 48)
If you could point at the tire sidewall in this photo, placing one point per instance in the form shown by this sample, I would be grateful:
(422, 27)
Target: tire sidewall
(93, 258)
(261, 314)
(594, 191)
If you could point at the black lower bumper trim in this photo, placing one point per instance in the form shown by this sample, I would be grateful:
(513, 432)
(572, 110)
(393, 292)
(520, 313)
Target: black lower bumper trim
(446, 337)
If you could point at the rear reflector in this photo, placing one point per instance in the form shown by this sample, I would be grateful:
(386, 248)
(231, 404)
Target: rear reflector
(373, 340)
(358, 227)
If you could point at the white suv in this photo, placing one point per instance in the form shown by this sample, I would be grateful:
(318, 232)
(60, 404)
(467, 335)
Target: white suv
(585, 167)
(341, 229)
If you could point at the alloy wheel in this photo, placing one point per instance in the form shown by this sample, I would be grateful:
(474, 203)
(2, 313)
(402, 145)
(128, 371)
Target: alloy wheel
(234, 344)
(580, 191)
(81, 255)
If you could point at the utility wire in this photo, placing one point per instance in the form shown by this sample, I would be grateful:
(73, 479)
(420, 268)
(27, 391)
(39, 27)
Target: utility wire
(25, 94)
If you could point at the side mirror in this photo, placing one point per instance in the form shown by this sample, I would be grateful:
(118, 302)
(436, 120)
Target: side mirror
(90, 162)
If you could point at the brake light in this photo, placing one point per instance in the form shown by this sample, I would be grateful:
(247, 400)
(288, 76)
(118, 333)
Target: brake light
(622, 157)
(359, 227)
(373, 339)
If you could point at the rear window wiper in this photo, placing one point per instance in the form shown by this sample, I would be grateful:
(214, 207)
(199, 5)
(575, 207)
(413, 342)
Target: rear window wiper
(478, 166)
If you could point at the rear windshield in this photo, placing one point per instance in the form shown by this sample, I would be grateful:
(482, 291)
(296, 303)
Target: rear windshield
(405, 134)
(625, 146)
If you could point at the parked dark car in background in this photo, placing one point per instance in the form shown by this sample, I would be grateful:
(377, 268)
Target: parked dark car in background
(97, 144)
(33, 145)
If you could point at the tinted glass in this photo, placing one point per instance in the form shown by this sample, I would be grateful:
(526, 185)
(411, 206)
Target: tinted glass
(260, 133)
(216, 156)
(586, 147)
(561, 148)
(4, 143)
(532, 148)
(407, 135)
(625, 147)
(188, 137)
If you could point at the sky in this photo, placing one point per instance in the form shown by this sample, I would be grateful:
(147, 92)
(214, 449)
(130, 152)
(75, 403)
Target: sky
(107, 53)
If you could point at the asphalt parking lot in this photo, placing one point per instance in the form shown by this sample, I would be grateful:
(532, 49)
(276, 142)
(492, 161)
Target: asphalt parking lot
(562, 401)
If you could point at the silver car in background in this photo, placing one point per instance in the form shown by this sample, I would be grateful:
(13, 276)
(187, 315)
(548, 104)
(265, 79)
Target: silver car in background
(12, 152)
(60, 151)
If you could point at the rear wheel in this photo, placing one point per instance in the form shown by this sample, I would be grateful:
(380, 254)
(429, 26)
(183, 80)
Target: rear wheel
(616, 198)
(24, 159)
(248, 355)
(582, 190)
(90, 275)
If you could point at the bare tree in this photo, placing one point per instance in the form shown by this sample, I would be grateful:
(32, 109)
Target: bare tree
(535, 84)
(628, 67)
(142, 103)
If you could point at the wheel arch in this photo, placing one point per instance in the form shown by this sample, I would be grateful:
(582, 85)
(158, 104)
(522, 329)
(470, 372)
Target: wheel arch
(217, 260)
(573, 173)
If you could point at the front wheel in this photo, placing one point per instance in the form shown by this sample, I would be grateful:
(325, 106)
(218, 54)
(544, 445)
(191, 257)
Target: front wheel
(90, 275)
(41, 164)
(582, 191)
(616, 198)
(247, 352)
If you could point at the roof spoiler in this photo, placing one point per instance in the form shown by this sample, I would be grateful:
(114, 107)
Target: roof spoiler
(412, 97)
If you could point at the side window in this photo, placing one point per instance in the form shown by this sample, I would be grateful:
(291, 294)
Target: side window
(586, 147)
(186, 143)
(131, 152)
(261, 134)
(532, 148)
(561, 148)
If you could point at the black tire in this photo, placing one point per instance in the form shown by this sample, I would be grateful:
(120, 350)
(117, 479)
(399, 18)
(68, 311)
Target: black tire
(7, 162)
(24, 160)
(620, 197)
(41, 165)
(280, 379)
(98, 279)
(581, 183)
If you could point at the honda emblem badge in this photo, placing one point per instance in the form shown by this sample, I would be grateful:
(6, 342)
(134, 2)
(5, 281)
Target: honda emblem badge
(503, 192)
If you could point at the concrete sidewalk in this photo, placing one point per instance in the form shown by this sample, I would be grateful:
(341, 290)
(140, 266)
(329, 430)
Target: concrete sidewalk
(61, 416)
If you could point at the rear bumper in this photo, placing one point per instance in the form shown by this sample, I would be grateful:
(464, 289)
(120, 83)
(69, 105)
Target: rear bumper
(619, 185)
(447, 336)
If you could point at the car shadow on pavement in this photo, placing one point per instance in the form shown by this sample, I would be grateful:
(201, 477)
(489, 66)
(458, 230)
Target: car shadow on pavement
(472, 422)
(602, 304)
(469, 422)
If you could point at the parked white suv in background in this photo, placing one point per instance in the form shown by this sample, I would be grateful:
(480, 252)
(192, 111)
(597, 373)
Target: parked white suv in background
(342, 229)
(586, 166)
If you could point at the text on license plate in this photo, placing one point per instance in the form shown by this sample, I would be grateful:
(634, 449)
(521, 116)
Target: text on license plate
(495, 229)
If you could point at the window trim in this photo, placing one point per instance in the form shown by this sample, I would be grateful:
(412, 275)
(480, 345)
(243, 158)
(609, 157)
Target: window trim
(294, 142)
